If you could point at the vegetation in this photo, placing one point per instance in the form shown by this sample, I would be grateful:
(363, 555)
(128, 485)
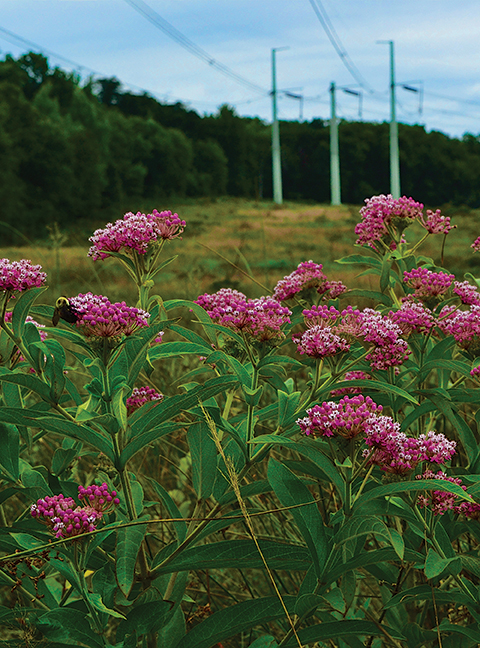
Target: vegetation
(273, 472)
(72, 152)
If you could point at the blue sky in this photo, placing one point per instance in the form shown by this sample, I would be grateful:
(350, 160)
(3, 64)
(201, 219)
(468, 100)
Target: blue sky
(437, 46)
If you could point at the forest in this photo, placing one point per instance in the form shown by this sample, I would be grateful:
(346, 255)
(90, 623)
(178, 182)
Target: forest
(73, 150)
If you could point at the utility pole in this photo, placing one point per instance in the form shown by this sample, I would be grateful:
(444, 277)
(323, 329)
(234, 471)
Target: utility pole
(276, 160)
(334, 154)
(394, 157)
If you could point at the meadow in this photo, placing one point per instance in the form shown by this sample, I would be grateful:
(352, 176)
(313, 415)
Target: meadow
(243, 473)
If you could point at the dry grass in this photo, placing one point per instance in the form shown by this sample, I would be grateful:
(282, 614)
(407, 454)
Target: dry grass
(260, 239)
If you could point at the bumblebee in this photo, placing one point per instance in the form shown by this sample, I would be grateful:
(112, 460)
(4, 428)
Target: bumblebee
(64, 310)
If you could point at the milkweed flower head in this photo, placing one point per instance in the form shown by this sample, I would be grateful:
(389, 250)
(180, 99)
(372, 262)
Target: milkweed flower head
(442, 501)
(381, 212)
(348, 418)
(321, 315)
(435, 222)
(260, 318)
(66, 519)
(412, 317)
(135, 233)
(140, 396)
(320, 342)
(389, 349)
(18, 276)
(476, 245)
(395, 452)
(428, 285)
(464, 326)
(467, 293)
(307, 275)
(97, 317)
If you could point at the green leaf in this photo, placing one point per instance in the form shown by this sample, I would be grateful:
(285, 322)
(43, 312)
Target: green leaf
(371, 384)
(291, 491)
(424, 593)
(435, 564)
(311, 452)
(173, 349)
(361, 525)
(29, 381)
(180, 526)
(144, 618)
(70, 627)
(169, 408)
(234, 619)
(287, 407)
(267, 641)
(204, 458)
(359, 259)
(240, 554)
(344, 628)
(96, 601)
(22, 307)
(58, 424)
(471, 633)
(129, 541)
(10, 449)
(407, 487)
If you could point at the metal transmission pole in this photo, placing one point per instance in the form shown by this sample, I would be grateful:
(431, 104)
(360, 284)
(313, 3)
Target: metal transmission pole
(276, 161)
(394, 158)
(334, 155)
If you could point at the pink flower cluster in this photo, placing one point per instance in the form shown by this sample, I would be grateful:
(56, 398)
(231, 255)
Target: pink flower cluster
(259, 318)
(436, 223)
(468, 294)
(441, 501)
(382, 211)
(389, 349)
(98, 317)
(464, 326)
(68, 520)
(140, 396)
(320, 342)
(307, 275)
(412, 317)
(17, 276)
(135, 232)
(428, 284)
(369, 327)
(476, 245)
(348, 418)
(395, 452)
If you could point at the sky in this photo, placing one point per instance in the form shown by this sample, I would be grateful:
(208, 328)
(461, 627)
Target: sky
(436, 46)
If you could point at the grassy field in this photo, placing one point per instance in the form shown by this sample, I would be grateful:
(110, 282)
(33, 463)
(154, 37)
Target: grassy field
(263, 240)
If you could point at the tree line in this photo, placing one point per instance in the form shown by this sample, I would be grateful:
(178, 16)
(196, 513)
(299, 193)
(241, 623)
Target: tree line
(71, 151)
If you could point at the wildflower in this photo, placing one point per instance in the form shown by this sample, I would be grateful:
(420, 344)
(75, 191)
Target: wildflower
(98, 317)
(428, 284)
(468, 294)
(475, 372)
(464, 326)
(435, 222)
(476, 245)
(135, 233)
(320, 342)
(140, 396)
(439, 501)
(412, 317)
(66, 519)
(395, 452)
(332, 289)
(382, 211)
(307, 275)
(321, 315)
(389, 349)
(260, 318)
(17, 276)
(348, 418)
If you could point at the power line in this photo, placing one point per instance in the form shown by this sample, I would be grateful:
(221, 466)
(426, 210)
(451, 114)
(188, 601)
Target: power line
(159, 22)
(322, 16)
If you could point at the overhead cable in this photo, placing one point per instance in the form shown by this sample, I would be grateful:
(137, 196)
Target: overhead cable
(189, 45)
(326, 23)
